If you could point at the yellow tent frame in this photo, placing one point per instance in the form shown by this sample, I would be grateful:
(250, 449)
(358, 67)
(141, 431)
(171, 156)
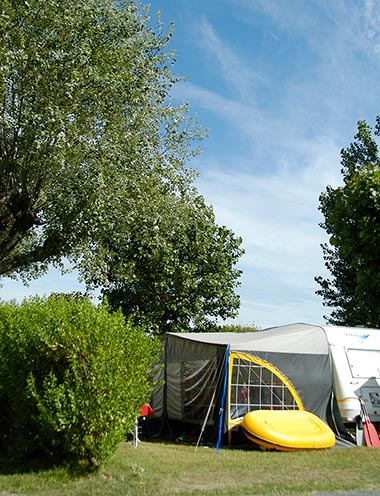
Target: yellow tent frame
(234, 356)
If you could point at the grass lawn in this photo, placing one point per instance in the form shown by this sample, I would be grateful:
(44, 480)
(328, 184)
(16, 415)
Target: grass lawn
(159, 469)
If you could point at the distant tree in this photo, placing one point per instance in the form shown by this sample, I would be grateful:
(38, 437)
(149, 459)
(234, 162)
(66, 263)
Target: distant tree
(352, 220)
(238, 328)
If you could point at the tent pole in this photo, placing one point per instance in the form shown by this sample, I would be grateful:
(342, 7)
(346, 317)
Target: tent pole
(206, 418)
(222, 403)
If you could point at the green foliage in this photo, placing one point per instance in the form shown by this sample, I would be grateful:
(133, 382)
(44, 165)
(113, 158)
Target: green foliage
(352, 220)
(72, 377)
(237, 328)
(85, 115)
(175, 271)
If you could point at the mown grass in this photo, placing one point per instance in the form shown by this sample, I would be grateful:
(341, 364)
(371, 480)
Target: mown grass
(160, 469)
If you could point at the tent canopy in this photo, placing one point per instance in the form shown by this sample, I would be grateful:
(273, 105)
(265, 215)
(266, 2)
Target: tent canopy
(277, 368)
(293, 338)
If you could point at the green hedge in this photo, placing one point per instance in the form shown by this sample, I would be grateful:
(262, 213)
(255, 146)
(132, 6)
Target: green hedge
(72, 378)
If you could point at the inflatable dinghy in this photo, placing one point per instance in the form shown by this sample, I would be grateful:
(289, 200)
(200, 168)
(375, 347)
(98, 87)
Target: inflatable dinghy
(287, 430)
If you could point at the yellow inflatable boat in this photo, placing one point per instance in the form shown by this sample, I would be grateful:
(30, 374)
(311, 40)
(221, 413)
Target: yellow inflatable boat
(287, 430)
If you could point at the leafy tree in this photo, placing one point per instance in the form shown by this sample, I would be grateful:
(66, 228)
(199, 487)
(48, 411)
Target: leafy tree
(352, 220)
(176, 270)
(92, 162)
(84, 91)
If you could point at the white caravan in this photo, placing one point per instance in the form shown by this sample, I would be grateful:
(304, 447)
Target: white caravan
(355, 355)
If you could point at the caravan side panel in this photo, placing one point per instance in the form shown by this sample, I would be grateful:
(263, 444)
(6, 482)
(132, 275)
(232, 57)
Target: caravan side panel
(356, 358)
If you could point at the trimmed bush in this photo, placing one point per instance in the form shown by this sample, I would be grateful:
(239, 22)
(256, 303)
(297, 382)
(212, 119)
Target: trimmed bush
(72, 379)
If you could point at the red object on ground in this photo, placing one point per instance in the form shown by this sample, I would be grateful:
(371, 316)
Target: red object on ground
(146, 411)
(370, 434)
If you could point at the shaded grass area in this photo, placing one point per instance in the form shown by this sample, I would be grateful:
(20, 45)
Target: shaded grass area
(161, 469)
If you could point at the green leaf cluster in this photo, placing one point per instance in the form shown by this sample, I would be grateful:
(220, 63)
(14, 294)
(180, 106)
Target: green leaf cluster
(238, 328)
(72, 379)
(352, 220)
(85, 114)
(176, 271)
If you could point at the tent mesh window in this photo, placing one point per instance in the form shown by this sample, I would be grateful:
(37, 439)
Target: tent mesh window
(256, 387)
(199, 383)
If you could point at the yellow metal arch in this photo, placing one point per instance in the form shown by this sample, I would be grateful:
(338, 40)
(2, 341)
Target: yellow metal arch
(259, 361)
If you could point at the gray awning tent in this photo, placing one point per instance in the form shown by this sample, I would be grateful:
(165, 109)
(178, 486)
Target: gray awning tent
(287, 367)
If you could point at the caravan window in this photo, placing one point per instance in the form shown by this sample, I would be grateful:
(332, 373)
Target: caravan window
(364, 363)
(258, 385)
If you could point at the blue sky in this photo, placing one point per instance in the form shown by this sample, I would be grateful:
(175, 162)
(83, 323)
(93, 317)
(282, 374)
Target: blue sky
(280, 84)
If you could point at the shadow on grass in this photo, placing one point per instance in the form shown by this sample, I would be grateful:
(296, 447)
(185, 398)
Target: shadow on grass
(40, 463)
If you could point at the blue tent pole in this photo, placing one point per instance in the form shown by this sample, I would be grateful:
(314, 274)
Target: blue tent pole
(222, 403)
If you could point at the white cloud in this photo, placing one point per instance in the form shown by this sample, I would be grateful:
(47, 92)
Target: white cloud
(338, 27)
(282, 141)
(277, 216)
(372, 24)
(236, 72)
(268, 192)
(241, 115)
